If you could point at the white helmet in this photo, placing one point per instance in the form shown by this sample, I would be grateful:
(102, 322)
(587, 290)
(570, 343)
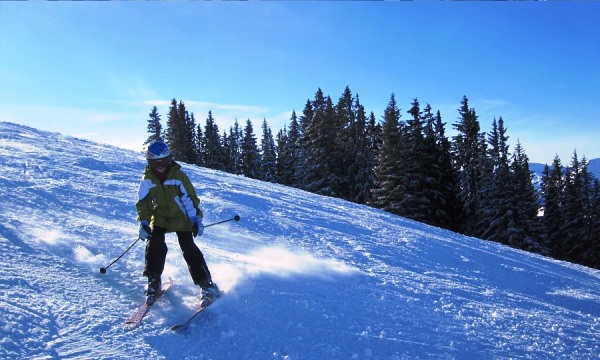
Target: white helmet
(157, 150)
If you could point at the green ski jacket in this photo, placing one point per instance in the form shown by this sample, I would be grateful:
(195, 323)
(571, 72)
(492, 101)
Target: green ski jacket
(170, 204)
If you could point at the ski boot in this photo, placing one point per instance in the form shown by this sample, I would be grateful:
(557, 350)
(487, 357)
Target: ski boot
(209, 293)
(152, 289)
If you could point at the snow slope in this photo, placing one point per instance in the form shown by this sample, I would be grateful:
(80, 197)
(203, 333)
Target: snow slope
(306, 276)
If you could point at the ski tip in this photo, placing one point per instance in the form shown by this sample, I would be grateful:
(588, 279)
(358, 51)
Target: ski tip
(176, 327)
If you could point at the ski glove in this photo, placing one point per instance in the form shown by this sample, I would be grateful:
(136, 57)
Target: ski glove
(145, 229)
(197, 227)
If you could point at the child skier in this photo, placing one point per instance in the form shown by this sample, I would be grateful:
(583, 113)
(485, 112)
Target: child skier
(167, 202)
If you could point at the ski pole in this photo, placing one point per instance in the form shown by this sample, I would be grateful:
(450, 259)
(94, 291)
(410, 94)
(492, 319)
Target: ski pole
(103, 269)
(235, 218)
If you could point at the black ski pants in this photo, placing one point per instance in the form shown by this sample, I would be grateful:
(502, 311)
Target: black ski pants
(156, 254)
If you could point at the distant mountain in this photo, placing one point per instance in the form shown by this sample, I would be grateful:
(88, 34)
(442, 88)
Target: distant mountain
(594, 167)
(538, 169)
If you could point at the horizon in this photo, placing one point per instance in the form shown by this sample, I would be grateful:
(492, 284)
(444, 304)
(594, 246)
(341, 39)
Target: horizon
(95, 70)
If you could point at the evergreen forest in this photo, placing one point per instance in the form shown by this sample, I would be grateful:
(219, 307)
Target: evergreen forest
(404, 163)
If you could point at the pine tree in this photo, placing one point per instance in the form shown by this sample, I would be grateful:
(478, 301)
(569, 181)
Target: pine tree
(351, 157)
(552, 187)
(593, 255)
(318, 172)
(190, 145)
(496, 213)
(227, 155)
(154, 126)
(268, 158)
(176, 131)
(183, 139)
(572, 226)
(233, 148)
(292, 154)
(447, 212)
(199, 146)
(213, 152)
(250, 153)
(361, 157)
(414, 203)
(578, 242)
(589, 198)
(388, 188)
(435, 213)
(343, 152)
(374, 141)
(280, 148)
(305, 123)
(469, 149)
(526, 230)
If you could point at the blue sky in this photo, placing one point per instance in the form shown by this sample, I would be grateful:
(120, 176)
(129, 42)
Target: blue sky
(95, 69)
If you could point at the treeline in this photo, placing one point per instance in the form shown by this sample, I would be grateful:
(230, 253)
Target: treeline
(471, 183)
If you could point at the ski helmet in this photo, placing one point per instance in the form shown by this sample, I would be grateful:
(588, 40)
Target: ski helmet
(157, 150)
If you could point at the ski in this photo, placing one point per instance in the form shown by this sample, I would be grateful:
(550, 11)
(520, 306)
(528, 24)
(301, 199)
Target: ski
(198, 311)
(137, 317)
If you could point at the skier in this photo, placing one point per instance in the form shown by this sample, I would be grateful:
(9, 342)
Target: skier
(167, 202)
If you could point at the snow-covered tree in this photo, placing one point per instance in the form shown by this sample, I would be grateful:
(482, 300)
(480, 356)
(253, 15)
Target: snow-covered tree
(250, 153)
(268, 159)
(154, 126)
(469, 157)
(389, 189)
(212, 149)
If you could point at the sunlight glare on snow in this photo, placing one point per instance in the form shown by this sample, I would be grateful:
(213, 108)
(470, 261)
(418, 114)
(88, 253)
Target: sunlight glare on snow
(49, 236)
(85, 256)
(283, 262)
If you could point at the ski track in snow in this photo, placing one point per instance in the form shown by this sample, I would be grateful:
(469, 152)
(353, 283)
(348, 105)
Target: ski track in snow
(305, 276)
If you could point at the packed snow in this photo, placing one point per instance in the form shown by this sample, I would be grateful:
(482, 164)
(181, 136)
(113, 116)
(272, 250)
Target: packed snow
(304, 276)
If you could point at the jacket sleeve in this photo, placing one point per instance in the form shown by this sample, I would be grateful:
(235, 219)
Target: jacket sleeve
(143, 205)
(189, 198)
